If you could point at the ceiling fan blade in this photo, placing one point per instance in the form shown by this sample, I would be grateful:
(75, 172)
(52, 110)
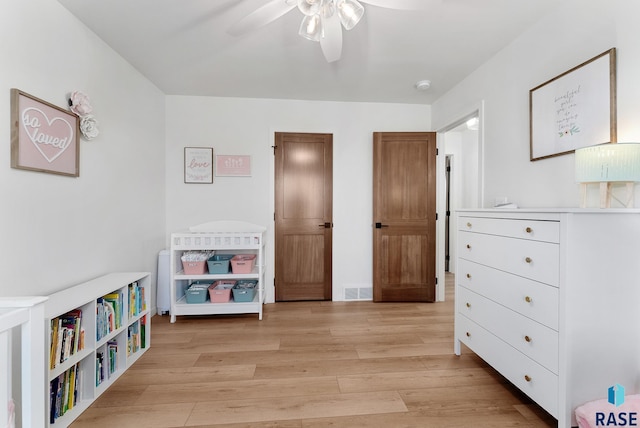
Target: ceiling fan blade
(403, 4)
(271, 11)
(331, 43)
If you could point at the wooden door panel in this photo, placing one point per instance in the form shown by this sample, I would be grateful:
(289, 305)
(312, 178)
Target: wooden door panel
(405, 267)
(404, 215)
(404, 197)
(306, 252)
(304, 269)
(303, 200)
(303, 182)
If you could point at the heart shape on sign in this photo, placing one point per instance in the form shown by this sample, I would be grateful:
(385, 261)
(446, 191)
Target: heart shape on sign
(50, 136)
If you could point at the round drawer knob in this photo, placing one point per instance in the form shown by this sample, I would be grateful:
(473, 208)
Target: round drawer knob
(527, 378)
(527, 339)
(468, 305)
(528, 260)
(469, 225)
(469, 275)
(528, 230)
(528, 299)
(468, 334)
(468, 247)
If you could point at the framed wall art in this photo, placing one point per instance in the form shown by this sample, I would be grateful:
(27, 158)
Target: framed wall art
(198, 165)
(575, 109)
(44, 137)
(233, 166)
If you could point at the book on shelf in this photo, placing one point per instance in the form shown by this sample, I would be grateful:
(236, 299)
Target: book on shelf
(137, 302)
(112, 352)
(64, 392)
(109, 314)
(67, 337)
(106, 362)
(143, 332)
(116, 302)
(134, 338)
(100, 376)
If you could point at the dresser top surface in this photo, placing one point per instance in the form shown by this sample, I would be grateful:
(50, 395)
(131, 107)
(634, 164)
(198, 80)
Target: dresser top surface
(549, 210)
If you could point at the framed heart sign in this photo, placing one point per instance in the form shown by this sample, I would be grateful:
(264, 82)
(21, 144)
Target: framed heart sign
(44, 137)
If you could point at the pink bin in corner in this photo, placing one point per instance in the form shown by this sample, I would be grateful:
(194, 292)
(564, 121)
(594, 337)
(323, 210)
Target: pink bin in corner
(243, 263)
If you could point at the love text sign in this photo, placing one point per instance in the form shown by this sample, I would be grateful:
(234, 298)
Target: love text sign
(44, 137)
(198, 165)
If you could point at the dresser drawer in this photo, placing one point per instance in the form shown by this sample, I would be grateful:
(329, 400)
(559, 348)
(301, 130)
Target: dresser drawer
(532, 299)
(533, 339)
(536, 230)
(535, 260)
(533, 379)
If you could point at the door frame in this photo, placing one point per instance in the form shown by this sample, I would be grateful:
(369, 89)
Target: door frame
(461, 117)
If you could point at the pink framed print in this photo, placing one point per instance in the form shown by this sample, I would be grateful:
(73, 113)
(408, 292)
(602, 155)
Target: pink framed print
(44, 137)
(233, 166)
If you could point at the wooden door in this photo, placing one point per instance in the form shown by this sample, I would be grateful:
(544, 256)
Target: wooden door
(404, 217)
(303, 217)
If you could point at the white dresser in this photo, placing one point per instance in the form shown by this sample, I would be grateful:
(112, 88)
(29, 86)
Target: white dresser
(551, 299)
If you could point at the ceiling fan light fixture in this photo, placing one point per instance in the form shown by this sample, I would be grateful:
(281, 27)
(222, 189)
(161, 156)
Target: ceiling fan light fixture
(311, 28)
(328, 9)
(350, 12)
(309, 7)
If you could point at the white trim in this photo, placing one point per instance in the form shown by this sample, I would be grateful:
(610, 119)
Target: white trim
(473, 110)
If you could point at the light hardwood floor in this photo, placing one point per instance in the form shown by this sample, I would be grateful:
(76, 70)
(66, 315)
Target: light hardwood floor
(313, 364)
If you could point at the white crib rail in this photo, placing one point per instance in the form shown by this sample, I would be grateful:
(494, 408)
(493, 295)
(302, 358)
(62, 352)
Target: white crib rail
(27, 314)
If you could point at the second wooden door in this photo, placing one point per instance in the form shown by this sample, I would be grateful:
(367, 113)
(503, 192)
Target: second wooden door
(404, 216)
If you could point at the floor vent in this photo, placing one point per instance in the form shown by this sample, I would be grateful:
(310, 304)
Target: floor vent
(358, 293)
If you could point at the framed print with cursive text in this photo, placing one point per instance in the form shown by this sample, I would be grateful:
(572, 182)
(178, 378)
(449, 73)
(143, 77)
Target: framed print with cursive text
(575, 109)
(44, 137)
(198, 165)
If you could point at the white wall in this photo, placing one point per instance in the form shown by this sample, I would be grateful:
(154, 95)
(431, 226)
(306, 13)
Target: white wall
(246, 126)
(576, 32)
(58, 231)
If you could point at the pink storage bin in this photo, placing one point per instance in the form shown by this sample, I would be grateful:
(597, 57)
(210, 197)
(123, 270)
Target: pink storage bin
(195, 262)
(220, 291)
(194, 268)
(243, 263)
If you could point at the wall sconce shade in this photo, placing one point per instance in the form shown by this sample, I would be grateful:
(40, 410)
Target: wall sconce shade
(606, 164)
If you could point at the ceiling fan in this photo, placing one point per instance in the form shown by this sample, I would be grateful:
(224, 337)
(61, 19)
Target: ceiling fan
(323, 19)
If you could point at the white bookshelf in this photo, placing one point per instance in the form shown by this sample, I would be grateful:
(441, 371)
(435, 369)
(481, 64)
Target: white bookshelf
(131, 337)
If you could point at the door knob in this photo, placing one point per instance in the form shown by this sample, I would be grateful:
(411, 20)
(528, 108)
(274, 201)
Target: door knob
(380, 225)
(326, 225)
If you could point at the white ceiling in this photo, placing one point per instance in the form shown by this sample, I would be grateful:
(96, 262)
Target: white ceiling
(183, 48)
